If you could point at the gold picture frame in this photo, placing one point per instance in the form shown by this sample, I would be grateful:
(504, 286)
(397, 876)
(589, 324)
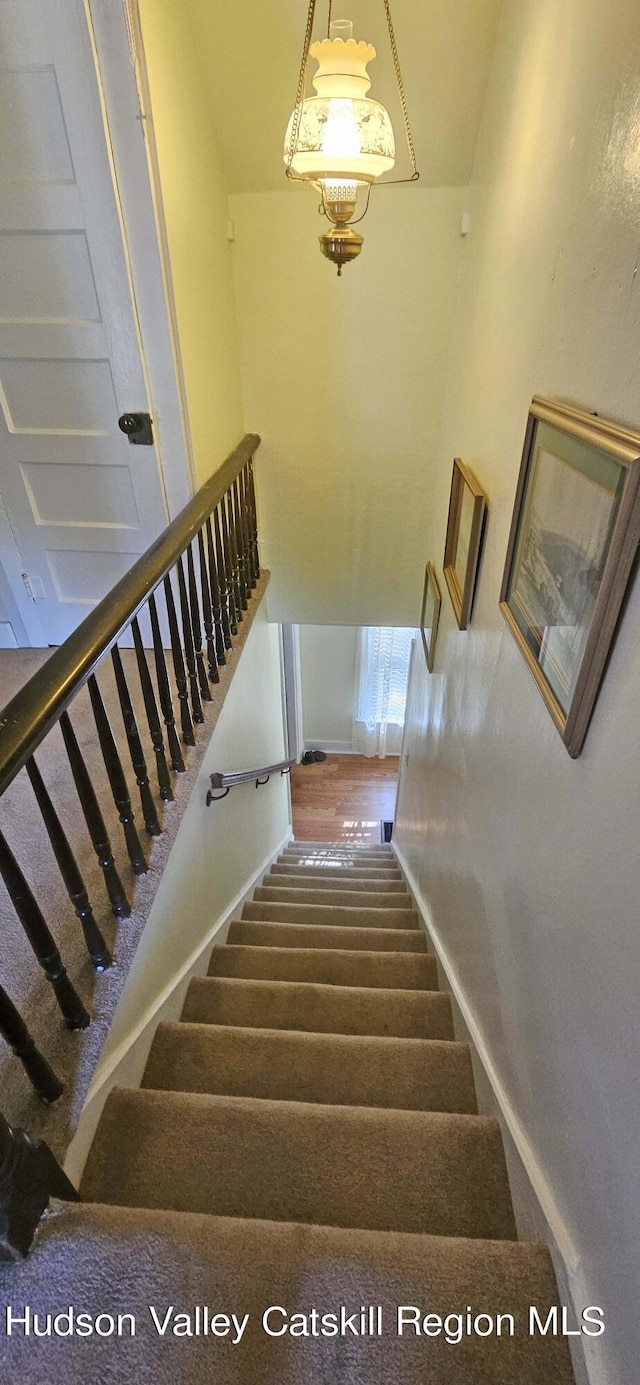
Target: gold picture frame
(574, 536)
(430, 614)
(465, 523)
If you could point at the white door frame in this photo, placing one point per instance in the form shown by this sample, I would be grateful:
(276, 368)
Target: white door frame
(116, 35)
(292, 691)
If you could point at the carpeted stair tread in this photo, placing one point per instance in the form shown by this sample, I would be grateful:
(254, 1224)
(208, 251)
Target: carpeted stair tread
(359, 899)
(326, 849)
(331, 966)
(312, 935)
(289, 1161)
(345, 848)
(336, 1069)
(319, 1009)
(121, 1260)
(310, 1121)
(338, 871)
(365, 866)
(326, 915)
(300, 881)
(327, 852)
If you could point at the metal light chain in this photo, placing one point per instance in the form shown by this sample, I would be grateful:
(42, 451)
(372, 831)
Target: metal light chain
(403, 99)
(302, 81)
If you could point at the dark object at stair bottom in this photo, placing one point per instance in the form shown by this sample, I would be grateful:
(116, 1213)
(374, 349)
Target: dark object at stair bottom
(313, 757)
(386, 830)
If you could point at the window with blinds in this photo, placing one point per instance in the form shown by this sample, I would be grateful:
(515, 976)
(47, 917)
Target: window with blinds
(381, 689)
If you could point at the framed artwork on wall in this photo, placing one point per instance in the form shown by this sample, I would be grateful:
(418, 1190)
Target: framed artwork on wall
(574, 536)
(467, 507)
(430, 614)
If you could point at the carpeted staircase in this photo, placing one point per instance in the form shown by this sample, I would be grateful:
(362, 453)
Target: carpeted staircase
(307, 1137)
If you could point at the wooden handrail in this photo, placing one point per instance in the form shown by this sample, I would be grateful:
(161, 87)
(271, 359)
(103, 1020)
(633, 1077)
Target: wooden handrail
(211, 551)
(27, 718)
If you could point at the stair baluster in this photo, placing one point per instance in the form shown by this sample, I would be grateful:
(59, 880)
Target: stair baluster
(251, 490)
(94, 820)
(15, 1033)
(207, 616)
(153, 717)
(136, 752)
(222, 578)
(246, 539)
(179, 666)
(117, 781)
(246, 511)
(216, 599)
(221, 525)
(41, 939)
(196, 627)
(164, 690)
(227, 511)
(70, 871)
(188, 644)
(238, 538)
(29, 1175)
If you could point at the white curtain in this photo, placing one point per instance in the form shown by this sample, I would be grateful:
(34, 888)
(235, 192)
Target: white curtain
(382, 670)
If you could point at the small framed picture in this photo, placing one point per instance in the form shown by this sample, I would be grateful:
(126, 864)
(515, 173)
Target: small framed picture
(430, 614)
(574, 536)
(467, 507)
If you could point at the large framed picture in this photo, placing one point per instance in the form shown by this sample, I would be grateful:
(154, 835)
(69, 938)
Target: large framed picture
(467, 506)
(430, 615)
(574, 535)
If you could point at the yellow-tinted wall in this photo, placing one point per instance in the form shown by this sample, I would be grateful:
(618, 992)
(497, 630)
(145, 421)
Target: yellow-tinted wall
(344, 379)
(327, 675)
(217, 849)
(527, 861)
(195, 207)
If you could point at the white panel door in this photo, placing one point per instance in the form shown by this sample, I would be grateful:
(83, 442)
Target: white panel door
(82, 501)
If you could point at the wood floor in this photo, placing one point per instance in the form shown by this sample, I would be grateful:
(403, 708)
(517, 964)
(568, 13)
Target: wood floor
(344, 798)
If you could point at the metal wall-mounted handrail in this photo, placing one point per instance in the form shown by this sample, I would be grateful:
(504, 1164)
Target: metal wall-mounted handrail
(244, 776)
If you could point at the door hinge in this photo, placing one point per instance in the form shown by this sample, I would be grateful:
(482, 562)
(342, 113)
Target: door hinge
(34, 587)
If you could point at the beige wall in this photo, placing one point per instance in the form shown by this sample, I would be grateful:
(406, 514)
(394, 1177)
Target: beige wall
(217, 849)
(195, 207)
(327, 674)
(344, 380)
(527, 861)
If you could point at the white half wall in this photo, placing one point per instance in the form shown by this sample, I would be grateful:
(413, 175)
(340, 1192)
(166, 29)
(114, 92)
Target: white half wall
(528, 862)
(327, 673)
(217, 850)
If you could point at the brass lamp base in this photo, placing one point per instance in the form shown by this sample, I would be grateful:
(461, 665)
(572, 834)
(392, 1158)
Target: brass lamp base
(341, 245)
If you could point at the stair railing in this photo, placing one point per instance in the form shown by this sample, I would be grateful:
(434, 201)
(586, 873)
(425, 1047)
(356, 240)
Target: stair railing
(225, 781)
(195, 581)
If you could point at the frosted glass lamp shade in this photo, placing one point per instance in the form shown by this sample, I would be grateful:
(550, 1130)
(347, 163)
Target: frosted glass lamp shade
(342, 135)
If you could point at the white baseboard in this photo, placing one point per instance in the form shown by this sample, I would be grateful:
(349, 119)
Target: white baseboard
(128, 1061)
(331, 747)
(570, 1268)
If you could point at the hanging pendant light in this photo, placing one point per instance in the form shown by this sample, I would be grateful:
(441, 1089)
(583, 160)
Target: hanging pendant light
(340, 140)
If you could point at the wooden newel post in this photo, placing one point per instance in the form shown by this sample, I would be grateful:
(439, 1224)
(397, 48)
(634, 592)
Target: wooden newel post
(29, 1175)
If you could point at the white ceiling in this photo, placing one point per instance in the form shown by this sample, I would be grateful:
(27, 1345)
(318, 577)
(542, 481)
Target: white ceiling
(251, 54)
